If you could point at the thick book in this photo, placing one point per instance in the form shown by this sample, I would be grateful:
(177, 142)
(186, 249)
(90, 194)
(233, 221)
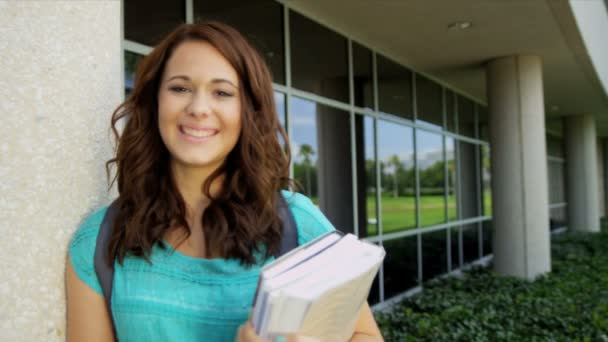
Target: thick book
(317, 289)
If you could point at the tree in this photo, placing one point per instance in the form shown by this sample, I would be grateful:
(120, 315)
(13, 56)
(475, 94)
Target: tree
(395, 164)
(306, 152)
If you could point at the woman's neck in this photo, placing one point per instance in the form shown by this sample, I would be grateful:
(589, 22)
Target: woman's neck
(189, 182)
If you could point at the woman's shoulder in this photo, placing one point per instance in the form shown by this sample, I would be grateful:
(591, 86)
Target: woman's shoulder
(310, 221)
(82, 248)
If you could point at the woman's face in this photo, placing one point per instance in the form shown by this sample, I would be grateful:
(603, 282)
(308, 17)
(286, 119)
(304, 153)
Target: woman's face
(199, 106)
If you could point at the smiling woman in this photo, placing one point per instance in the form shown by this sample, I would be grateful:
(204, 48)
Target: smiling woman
(200, 173)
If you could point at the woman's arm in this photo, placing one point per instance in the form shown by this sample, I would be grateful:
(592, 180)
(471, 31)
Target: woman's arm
(366, 328)
(87, 316)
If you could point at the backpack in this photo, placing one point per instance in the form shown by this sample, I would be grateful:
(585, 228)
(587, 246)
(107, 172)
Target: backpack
(105, 272)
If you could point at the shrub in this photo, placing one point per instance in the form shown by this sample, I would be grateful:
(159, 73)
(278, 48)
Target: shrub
(568, 304)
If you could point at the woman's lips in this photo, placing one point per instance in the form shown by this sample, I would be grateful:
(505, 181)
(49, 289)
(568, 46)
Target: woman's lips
(196, 134)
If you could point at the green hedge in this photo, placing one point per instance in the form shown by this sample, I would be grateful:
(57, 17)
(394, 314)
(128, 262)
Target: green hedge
(569, 304)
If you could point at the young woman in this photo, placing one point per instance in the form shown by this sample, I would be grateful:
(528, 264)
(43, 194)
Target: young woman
(199, 171)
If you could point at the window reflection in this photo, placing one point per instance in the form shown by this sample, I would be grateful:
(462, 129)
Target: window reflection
(555, 146)
(466, 172)
(488, 235)
(434, 254)
(279, 100)
(400, 265)
(321, 151)
(366, 174)
(486, 178)
(432, 178)
(148, 21)
(394, 88)
(466, 117)
(450, 112)
(451, 161)
(483, 124)
(374, 292)
(429, 108)
(261, 21)
(131, 61)
(395, 155)
(557, 218)
(319, 59)
(470, 243)
(456, 242)
(363, 76)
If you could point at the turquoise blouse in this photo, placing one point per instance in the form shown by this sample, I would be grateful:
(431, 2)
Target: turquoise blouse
(181, 298)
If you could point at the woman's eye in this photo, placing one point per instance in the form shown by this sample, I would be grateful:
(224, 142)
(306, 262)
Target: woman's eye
(223, 93)
(178, 89)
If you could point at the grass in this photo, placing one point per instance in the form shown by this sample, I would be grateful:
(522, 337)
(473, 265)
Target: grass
(399, 213)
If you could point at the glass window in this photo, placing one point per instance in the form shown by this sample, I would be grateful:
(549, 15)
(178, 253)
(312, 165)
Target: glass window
(555, 146)
(483, 123)
(319, 59)
(556, 126)
(467, 189)
(400, 265)
(363, 76)
(395, 154)
(434, 254)
(470, 243)
(394, 88)
(149, 21)
(488, 234)
(131, 61)
(431, 169)
(558, 218)
(456, 242)
(451, 161)
(486, 181)
(279, 99)
(450, 112)
(466, 117)
(322, 158)
(261, 21)
(557, 193)
(305, 146)
(366, 174)
(429, 106)
(374, 292)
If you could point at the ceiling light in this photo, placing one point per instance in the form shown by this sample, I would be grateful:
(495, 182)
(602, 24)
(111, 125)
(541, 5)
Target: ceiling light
(460, 25)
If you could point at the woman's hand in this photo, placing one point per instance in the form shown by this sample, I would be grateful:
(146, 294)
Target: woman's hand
(247, 334)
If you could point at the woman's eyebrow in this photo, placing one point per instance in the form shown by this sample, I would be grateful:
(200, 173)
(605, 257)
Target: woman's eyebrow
(223, 80)
(215, 80)
(183, 77)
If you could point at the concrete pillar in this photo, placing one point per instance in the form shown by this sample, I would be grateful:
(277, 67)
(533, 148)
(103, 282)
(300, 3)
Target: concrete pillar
(519, 168)
(61, 77)
(581, 161)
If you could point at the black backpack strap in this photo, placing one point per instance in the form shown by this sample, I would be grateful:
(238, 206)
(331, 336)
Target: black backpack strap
(105, 272)
(289, 239)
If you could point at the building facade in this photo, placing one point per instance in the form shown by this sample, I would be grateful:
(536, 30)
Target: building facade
(450, 134)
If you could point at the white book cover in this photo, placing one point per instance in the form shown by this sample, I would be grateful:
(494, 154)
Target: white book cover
(320, 293)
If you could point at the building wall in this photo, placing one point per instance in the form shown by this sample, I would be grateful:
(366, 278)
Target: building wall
(60, 79)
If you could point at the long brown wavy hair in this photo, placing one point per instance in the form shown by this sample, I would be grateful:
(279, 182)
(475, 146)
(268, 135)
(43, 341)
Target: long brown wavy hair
(242, 218)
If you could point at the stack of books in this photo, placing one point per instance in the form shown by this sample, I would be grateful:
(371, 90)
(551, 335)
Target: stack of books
(317, 289)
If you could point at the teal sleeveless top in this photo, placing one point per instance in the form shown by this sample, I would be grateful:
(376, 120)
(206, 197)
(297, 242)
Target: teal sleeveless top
(181, 298)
